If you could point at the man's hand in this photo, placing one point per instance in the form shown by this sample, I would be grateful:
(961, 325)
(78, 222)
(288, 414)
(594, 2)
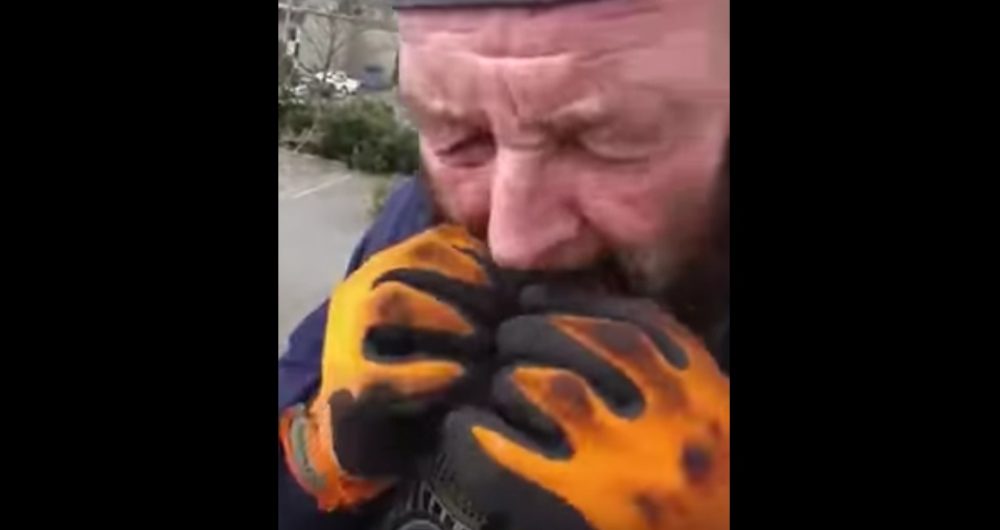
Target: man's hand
(609, 416)
(403, 331)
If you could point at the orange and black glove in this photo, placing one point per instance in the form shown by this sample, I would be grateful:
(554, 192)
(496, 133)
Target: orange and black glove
(405, 333)
(609, 415)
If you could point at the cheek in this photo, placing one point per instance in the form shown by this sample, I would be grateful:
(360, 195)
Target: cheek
(463, 194)
(664, 199)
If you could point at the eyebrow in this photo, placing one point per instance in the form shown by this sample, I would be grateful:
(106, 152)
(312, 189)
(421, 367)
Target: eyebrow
(420, 106)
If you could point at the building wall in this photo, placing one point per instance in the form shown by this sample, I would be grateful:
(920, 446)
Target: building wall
(359, 46)
(373, 47)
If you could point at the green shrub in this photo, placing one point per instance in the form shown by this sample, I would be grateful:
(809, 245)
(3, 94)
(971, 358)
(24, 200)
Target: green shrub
(370, 156)
(364, 134)
(298, 119)
(406, 151)
(348, 125)
(393, 151)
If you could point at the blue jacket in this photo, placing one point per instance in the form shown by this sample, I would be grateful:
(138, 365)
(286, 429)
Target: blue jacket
(407, 211)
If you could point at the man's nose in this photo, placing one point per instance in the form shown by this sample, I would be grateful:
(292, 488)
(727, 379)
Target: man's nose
(531, 216)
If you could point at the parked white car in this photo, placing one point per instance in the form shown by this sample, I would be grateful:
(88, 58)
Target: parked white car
(342, 84)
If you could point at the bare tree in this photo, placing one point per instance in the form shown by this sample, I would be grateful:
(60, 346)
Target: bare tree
(326, 40)
(327, 44)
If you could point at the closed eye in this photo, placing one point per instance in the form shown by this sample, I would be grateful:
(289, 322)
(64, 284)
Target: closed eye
(618, 153)
(473, 150)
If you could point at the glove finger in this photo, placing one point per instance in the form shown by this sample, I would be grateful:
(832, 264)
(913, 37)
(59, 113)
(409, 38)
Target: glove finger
(476, 302)
(457, 236)
(500, 470)
(518, 411)
(398, 344)
(452, 255)
(393, 326)
(541, 397)
(643, 313)
(403, 305)
(409, 379)
(626, 347)
(534, 339)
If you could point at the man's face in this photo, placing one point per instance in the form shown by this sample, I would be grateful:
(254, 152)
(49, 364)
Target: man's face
(569, 134)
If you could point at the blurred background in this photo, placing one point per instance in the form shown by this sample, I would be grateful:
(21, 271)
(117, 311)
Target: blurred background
(343, 141)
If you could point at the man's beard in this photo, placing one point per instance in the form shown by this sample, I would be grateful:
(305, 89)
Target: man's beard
(647, 272)
(689, 279)
(693, 286)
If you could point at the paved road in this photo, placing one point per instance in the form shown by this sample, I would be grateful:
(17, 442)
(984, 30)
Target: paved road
(321, 216)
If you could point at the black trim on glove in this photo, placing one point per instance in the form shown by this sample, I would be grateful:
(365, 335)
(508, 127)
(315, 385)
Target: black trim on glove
(508, 501)
(532, 339)
(639, 312)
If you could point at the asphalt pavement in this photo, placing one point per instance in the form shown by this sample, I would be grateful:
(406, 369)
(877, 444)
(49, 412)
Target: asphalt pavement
(322, 214)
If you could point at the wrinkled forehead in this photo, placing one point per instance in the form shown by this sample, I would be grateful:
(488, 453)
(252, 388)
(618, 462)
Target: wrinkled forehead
(551, 27)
